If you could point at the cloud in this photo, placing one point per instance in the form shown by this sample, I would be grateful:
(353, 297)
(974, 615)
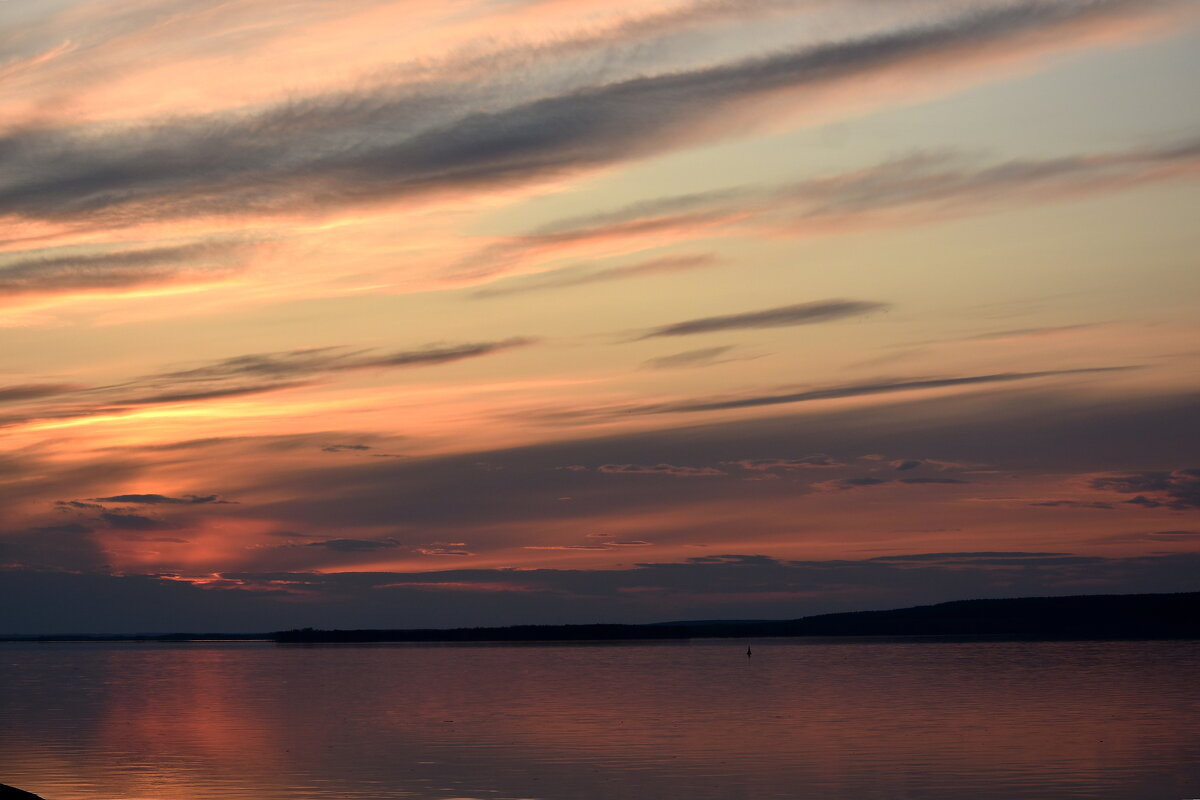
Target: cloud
(342, 149)
(660, 469)
(306, 361)
(606, 542)
(121, 269)
(1162, 537)
(1031, 432)
(704, 357)
(905, 464)
(800, 314)
(517, 506)
(118, 404)
(105, 401)
(353, 545)
(338, 448)
(861, 390)
(1029, 333)
(1178, 489)
(247, 375)
(985, 557)
(845, 484)
(157, 499)
(819, 461)
(314, 361)
(444, 549)
(918, 188)
(584, 415)
(442, 355)
(290, 535)
(1073, 504)
(565, 547)
(78, 504)
(640, 213)
(631, 31)
(950, 185)
(573, 276)
(513, 253)
(35, 391)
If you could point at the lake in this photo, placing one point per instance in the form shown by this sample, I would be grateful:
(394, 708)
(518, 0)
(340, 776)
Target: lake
(697, 720)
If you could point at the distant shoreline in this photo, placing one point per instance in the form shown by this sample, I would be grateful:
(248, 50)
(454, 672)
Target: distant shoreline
(1077, 617)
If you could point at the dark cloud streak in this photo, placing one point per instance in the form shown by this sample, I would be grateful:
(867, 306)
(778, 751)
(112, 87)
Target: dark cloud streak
(315, 361)
(35, 391)
(127, 269)
(862, 390)
(800, 314)
(353, 545)
(159, 499)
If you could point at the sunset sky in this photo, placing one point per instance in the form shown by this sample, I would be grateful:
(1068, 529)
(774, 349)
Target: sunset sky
(403, 313)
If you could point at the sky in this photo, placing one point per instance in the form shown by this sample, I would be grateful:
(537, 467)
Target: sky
(400, 313)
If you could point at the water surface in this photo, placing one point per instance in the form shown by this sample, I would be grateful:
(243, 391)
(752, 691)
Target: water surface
(800, 719)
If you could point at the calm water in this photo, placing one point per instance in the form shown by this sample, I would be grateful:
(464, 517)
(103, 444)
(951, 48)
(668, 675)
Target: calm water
(868, 719)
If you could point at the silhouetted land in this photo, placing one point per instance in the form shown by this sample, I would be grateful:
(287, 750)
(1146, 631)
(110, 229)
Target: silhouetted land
(1130, 616)
(1134, 616)
(140, 637)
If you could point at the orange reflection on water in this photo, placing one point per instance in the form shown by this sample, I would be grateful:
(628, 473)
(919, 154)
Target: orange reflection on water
(701, 720)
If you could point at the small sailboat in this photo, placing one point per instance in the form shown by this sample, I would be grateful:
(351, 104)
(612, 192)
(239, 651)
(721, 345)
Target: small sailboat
(748, 653)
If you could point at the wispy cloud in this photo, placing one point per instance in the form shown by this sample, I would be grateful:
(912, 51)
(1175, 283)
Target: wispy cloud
(860, 390)
(574, 276)
(119, 270)
(350, 148)
(800, 314)
(34, 391)
(314, 361)
(1030, 333)
(243, 376)
(920, 188)
(583, 415)
(703, 357)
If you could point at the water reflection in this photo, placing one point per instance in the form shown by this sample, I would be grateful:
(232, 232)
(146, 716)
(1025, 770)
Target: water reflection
(698, 721)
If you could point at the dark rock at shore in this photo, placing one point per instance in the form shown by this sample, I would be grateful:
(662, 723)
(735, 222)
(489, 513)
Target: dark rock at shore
(10, 793)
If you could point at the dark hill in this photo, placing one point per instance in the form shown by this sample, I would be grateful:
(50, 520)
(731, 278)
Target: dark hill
(1133, 616)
